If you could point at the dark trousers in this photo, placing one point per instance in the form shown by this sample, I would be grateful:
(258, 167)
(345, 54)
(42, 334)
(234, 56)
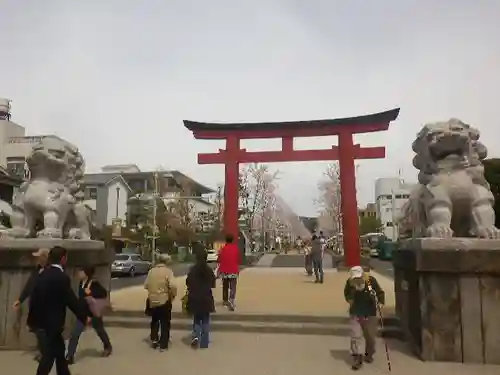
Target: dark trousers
(53, 350)
(160, 323)
(98, 325)
(318, 268)
(40, 339)
(229, 289)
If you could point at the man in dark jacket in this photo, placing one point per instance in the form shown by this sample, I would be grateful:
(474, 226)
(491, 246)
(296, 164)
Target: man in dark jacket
(50, 297)
(365, 297)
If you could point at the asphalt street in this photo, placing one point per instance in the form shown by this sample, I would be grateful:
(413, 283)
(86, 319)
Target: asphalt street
(383, 267)
(179, 269)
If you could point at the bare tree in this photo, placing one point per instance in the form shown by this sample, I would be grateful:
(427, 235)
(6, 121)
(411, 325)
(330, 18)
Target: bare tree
(329, 200)
(256, 193)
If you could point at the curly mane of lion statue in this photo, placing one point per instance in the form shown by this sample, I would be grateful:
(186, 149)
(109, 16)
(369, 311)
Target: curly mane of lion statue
(50, 204)
(453, 197)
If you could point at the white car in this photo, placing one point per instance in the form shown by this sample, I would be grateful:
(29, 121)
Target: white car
(212, 256)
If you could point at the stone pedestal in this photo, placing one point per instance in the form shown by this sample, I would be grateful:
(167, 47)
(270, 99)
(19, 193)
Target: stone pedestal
(16, 265)
(448, 298)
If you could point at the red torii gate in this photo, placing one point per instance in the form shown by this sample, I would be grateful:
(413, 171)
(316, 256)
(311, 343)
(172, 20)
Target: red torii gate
(346, 152)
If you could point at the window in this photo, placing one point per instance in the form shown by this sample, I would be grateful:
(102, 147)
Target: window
(92, 193)
(121, 257)
(17, 167)
(135, 258)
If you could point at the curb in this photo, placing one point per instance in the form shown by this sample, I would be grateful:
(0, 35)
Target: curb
(257, 323)
(258, 318)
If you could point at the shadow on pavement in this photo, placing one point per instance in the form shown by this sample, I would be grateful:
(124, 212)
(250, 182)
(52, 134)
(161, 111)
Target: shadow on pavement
(341, 355)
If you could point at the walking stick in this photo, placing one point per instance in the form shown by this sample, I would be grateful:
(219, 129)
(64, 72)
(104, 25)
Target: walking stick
(381, 319)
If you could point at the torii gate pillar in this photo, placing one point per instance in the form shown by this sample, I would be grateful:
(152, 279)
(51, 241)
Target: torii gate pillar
(345, 153)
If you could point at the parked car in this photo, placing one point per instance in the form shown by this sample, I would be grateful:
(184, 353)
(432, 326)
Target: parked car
(129, 265)
(212, 256)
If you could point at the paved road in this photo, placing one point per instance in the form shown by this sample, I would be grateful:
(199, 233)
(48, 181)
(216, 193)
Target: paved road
(179, 269)
(383, 267)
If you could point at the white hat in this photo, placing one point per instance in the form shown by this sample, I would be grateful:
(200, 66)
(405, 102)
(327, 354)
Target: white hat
(356, 272)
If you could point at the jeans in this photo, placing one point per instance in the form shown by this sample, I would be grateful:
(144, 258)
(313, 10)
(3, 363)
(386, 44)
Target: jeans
(160, 321)
(97, 325)
(201, 329)
(318, 269)
(229, 289)
(53, 349)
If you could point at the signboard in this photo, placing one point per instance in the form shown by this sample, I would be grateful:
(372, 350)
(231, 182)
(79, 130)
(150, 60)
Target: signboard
(116, 227)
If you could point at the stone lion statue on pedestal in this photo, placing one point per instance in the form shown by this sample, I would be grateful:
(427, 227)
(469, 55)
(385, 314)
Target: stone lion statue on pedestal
(50, 203)
(453, 198)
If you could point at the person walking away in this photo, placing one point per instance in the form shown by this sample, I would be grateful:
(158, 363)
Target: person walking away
(363, 292)
(41, 257)
(308, 260)
(89, 287)
(229, 261)
(317, 259)
(51, 296)
(161, 293)
(199, 282)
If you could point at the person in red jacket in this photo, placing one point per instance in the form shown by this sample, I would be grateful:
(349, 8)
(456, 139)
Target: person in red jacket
(229, 269)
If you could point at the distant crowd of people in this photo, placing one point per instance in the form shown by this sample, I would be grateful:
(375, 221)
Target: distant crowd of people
(50, 295)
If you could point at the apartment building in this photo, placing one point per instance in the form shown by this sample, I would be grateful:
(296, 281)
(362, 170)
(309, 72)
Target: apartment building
(390, 196)
(15, 145)
(171, 186)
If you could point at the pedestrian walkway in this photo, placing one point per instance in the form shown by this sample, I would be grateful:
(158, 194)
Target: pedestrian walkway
(266, 260)
(279, 291)
(235, 353)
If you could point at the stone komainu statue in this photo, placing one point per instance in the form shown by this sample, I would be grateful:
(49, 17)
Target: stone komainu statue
(453, 198)
(52, 196)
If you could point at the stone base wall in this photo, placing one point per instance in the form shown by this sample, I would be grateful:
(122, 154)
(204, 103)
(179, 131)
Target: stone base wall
(16, 265)
(447, 298)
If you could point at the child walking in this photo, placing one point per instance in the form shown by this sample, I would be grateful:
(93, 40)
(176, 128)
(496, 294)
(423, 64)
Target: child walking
(363, 293)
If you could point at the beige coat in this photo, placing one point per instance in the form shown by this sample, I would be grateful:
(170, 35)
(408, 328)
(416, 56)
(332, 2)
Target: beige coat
(160, 284)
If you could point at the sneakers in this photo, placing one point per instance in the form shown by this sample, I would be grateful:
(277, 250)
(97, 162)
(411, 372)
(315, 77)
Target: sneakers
(154, 344)
(106, 352)
(368, 358)
(195, 342)
(231, 305)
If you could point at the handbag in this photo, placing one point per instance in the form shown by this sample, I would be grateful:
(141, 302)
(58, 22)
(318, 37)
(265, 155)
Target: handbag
(184, 301)
(98, 306)
(147, 308)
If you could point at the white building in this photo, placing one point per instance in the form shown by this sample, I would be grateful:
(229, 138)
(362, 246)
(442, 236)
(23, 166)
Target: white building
(15, 146)
(390, 196)
(107, 195)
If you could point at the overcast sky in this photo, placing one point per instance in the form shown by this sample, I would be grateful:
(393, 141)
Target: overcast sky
(117, 77)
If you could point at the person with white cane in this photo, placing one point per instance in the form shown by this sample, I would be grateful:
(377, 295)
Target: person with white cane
(365, 298)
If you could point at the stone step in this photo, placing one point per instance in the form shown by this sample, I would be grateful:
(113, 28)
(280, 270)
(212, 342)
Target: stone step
(389, 321)
(276, 327)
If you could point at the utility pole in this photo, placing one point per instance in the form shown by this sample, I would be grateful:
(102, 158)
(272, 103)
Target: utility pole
(393, 212)
(155, 208)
